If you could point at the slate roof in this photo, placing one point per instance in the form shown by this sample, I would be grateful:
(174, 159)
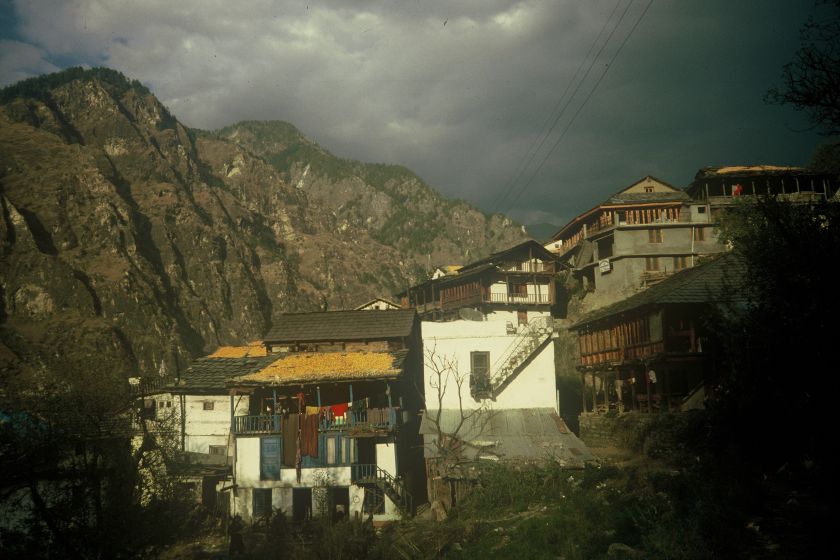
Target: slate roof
(533, 434)
(641, 198)
(717, 280)
(210, 374)
(312, 367)
(342, 325)
(539, 251)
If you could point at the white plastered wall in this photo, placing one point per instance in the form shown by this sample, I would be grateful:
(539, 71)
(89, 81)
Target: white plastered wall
(209, 427)
(533, 387)
(247, 477)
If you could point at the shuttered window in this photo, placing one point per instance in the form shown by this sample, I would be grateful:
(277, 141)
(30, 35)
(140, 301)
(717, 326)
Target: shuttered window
(270, 458)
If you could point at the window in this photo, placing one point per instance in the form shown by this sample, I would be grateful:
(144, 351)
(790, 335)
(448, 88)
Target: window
(262, 502)
(479, 373)
(651, 263)
(332, 457)
(680, 262)
(648, 189)
(699, 234)
(350, 451)
(655, 235)
(218, 450)
(518, 289)
(701, 209)
(270, 458)
(208, 405)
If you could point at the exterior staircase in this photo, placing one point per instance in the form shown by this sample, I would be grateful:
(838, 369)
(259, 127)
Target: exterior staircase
(524, 344)
(371, 474)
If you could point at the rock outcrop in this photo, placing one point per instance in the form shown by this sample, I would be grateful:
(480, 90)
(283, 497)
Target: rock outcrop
(131, 243)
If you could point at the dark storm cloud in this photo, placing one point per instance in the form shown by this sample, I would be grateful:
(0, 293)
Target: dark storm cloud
(456, 92)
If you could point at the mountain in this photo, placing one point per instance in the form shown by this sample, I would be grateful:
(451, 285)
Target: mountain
(131, 244)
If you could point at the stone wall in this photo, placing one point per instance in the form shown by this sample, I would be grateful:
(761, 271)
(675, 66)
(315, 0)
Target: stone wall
(665, 435)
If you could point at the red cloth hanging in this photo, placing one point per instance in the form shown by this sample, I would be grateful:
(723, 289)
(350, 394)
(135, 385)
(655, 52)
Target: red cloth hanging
(339, 409)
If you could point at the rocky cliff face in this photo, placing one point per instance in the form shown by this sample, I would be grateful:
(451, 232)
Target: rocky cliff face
(131, 243)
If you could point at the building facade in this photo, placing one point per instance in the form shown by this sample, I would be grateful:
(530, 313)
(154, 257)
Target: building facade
(332, 421)
(637, 237)
(489, 371)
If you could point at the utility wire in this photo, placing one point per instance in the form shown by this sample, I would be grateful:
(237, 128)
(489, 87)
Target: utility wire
(549, 128)
(585, 101)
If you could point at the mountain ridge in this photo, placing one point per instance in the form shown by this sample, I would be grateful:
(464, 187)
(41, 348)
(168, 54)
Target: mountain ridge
(133, 244)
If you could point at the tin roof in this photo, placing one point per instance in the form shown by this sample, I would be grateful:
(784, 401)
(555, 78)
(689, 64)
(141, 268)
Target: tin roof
(522, 434)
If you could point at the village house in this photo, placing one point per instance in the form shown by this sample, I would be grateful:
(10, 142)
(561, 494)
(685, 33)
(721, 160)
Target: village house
(190, 418)
(717, 187)
(637, 237)
(332, 420)
(656, 350)
(489, 375)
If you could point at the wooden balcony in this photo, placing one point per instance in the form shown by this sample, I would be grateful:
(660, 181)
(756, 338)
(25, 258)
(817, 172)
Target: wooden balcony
(514, 299)
(622, 355)
(372, 419)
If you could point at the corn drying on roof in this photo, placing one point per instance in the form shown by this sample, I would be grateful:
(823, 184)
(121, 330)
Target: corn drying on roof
(250, 350)
(309, 367)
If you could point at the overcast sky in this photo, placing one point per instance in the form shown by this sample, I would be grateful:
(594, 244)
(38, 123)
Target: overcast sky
(458, 91)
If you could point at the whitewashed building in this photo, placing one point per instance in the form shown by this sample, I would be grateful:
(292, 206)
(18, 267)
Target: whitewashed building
(489, 374)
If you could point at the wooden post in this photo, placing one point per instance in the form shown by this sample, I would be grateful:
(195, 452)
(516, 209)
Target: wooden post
(183, 422)
(318, 394)
(583, 392)
(606, 386)
(594, 395)
(231, 413)
(647, 386)
(352, 415)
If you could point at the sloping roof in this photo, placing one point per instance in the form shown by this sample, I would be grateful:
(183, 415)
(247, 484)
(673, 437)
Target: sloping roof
(311, 367)
(254, 348)
(342, 325)
(642, 198)
(522, 434)
(623, 197)
(537, 249)
(387, 302)
(737, 170)
(717, 280)
(210, 374)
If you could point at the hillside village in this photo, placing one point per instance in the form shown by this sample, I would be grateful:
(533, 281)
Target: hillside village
(390, 410)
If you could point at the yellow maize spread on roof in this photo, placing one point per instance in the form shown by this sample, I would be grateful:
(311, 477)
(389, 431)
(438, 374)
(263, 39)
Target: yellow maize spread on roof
(315, 366)
(255, 348)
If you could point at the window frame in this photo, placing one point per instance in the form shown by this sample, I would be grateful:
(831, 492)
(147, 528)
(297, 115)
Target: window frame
(655, 235)
(261, 497)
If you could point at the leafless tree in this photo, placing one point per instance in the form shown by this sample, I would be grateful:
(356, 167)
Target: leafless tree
(812, 80)
(452, 439)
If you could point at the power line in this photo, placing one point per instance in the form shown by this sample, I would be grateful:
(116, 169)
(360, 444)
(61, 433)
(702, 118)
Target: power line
(580, 108)
(549, 128)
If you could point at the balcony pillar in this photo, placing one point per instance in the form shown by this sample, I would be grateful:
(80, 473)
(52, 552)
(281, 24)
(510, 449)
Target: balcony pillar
(232, 421)
(352, 414)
